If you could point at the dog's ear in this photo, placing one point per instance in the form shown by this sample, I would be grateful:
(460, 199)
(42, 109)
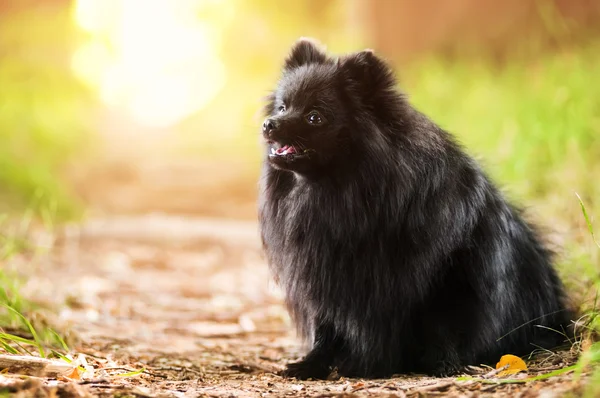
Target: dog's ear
(369, 73)
(305, 51)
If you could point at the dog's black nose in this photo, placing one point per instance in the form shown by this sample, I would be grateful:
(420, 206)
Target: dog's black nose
(269, 126)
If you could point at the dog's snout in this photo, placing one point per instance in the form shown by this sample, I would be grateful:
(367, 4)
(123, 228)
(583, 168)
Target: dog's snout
(269, 126)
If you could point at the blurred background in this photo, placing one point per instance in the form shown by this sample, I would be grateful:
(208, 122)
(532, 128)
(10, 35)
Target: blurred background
(132, 107)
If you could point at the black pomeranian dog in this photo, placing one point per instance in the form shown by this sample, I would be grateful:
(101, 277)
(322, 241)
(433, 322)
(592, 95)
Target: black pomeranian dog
(395, 251)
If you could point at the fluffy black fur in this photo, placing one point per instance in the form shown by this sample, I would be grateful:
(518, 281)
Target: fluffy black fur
(395, 251)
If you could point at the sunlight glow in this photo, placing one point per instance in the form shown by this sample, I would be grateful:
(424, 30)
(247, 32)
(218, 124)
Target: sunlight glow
(157, 59)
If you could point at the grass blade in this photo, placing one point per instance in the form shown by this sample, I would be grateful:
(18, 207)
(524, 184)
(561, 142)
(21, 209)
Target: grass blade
(60, 340)
(8, 348)
(37, 342)
(134, 373)
(66, 359)
(587, 220)
(61, 356)
(17, 339)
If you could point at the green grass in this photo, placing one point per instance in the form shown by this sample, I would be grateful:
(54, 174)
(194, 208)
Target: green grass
(43, 109)
(535, 124)
(591, 357)
(22, 333)
(23, 327)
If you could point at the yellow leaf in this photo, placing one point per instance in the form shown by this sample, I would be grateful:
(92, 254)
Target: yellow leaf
(513, 363)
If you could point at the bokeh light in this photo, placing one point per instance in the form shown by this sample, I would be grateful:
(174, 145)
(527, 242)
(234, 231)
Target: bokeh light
(156, 59)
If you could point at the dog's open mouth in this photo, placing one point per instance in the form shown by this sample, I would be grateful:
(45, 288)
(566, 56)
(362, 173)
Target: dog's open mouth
(288, 151)
(284, 150)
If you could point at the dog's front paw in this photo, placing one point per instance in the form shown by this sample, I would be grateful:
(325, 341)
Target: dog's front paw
(304, 370)
(446, 369)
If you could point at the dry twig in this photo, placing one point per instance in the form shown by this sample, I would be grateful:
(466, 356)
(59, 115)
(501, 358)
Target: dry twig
(33, 366)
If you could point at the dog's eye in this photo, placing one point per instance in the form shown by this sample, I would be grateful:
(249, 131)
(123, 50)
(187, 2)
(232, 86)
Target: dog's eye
(281, 109)
(315, 118)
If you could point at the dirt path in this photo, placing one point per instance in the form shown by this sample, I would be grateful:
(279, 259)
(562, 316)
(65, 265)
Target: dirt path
(190, 301)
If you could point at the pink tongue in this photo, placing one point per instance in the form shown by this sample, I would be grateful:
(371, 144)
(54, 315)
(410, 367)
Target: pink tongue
(291, 150)
(282, 149)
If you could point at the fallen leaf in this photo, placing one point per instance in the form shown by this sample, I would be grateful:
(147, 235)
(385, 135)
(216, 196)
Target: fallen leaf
(73, 374)
(515, 365)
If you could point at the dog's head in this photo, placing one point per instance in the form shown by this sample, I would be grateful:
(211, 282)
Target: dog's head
(313, 115)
